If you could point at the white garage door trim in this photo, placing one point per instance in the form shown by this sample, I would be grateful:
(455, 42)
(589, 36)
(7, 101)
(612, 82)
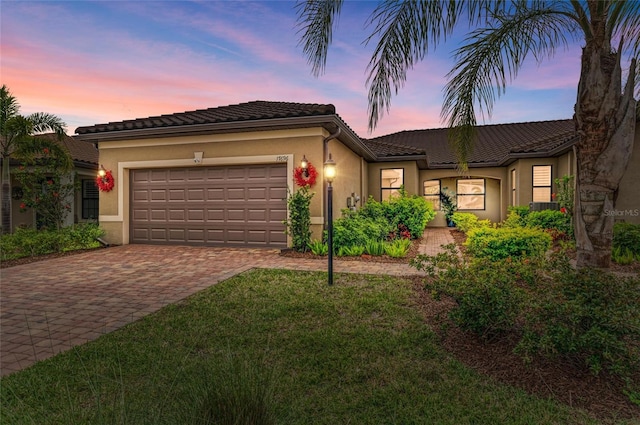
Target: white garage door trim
(124, 167)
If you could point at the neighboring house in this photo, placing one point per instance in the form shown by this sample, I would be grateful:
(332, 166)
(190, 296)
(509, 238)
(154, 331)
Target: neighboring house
(85, 203)
(220, 176)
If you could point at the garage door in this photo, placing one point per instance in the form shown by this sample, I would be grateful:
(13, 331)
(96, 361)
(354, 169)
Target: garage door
(216, 206)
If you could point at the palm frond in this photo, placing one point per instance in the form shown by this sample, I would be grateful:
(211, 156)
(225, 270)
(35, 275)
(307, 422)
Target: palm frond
(405, 31)
(316, 19)
(9, 108)
(491, 58)
(43, 122)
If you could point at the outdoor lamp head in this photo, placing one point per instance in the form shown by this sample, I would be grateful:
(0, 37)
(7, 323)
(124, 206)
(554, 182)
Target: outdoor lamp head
(329, 169)
(101, 171)
(304, 163)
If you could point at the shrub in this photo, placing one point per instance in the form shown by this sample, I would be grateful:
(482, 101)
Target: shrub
(468, 221)
(488, 295)
(82, 236)
(516, 217)
(627, 236)
(401, 212)
(299, 222)
(549, 220)
(31, 243)
(355, 229)
(586, 315)
(505, 242)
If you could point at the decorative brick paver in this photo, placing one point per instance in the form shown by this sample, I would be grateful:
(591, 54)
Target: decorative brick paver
(50, 306)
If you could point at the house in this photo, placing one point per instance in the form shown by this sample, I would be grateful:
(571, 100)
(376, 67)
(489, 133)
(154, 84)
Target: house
(220, 176)
(84, 205)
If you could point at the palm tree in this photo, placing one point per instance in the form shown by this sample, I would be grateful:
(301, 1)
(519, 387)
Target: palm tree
(507, 32)
(17, 139)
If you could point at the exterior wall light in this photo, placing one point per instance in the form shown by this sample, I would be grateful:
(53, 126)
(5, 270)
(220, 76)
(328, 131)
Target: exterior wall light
(329, 175)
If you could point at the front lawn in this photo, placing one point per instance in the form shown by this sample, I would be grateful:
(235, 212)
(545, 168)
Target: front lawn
(275, 344)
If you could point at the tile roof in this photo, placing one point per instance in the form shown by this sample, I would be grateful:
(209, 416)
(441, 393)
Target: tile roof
(495, 144)
(256, 110)
(81, 152)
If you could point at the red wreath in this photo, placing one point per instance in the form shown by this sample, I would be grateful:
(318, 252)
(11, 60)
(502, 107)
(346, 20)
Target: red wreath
(105, 183)
(305, 179)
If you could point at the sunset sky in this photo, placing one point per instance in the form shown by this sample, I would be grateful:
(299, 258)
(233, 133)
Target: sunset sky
(96, 62)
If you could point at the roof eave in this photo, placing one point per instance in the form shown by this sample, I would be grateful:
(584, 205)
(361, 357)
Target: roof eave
(329, 122)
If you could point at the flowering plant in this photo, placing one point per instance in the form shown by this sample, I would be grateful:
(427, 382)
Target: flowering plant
(105, 183)
(305, 176)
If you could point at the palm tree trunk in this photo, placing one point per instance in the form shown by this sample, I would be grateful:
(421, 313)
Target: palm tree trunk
(605, 123)
(6, 196)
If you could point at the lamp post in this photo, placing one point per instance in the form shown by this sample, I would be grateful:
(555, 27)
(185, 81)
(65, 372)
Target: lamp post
(329, 175)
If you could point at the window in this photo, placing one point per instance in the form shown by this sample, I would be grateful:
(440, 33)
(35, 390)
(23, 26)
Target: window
(89, 199)
(471, 194)
(513, 187)
(431, 192)
(391, 179)
(541, 183)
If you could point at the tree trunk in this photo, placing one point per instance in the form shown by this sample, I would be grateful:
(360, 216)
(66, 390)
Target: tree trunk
(605, 123)
(6, 196)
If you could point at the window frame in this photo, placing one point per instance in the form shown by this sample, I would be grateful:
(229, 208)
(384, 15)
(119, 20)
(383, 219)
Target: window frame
(533, 182)
(86, 208)
(390, 189)
(437, 206)
(461, 195)
(514, 187)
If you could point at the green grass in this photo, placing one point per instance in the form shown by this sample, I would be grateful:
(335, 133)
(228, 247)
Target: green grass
(355, 353)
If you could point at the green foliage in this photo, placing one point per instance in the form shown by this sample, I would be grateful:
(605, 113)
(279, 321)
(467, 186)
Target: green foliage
(488, 294)
(234, 391)
(30, 242)
(375, 248)
(351, 251)
(397, 248)
(401, 212)
(550, 220)
(355, 229)
(47, 186)
(516, 216)
(586, 315)
(468, 221)
(299, 222)
(318, 247)
(564, 195)
(626, 236)
(448, 203)
(504, 242)
(623, 255)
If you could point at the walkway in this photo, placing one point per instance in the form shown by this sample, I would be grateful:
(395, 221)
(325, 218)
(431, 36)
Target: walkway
(50, 306)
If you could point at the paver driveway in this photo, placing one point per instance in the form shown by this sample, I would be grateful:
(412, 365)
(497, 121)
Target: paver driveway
(49, 306)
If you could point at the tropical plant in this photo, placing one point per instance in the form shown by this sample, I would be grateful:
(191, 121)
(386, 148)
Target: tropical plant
(448, 204)
(397, 248)
(318, 247)
(17, 139)
(47, 185)
(508, 33)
